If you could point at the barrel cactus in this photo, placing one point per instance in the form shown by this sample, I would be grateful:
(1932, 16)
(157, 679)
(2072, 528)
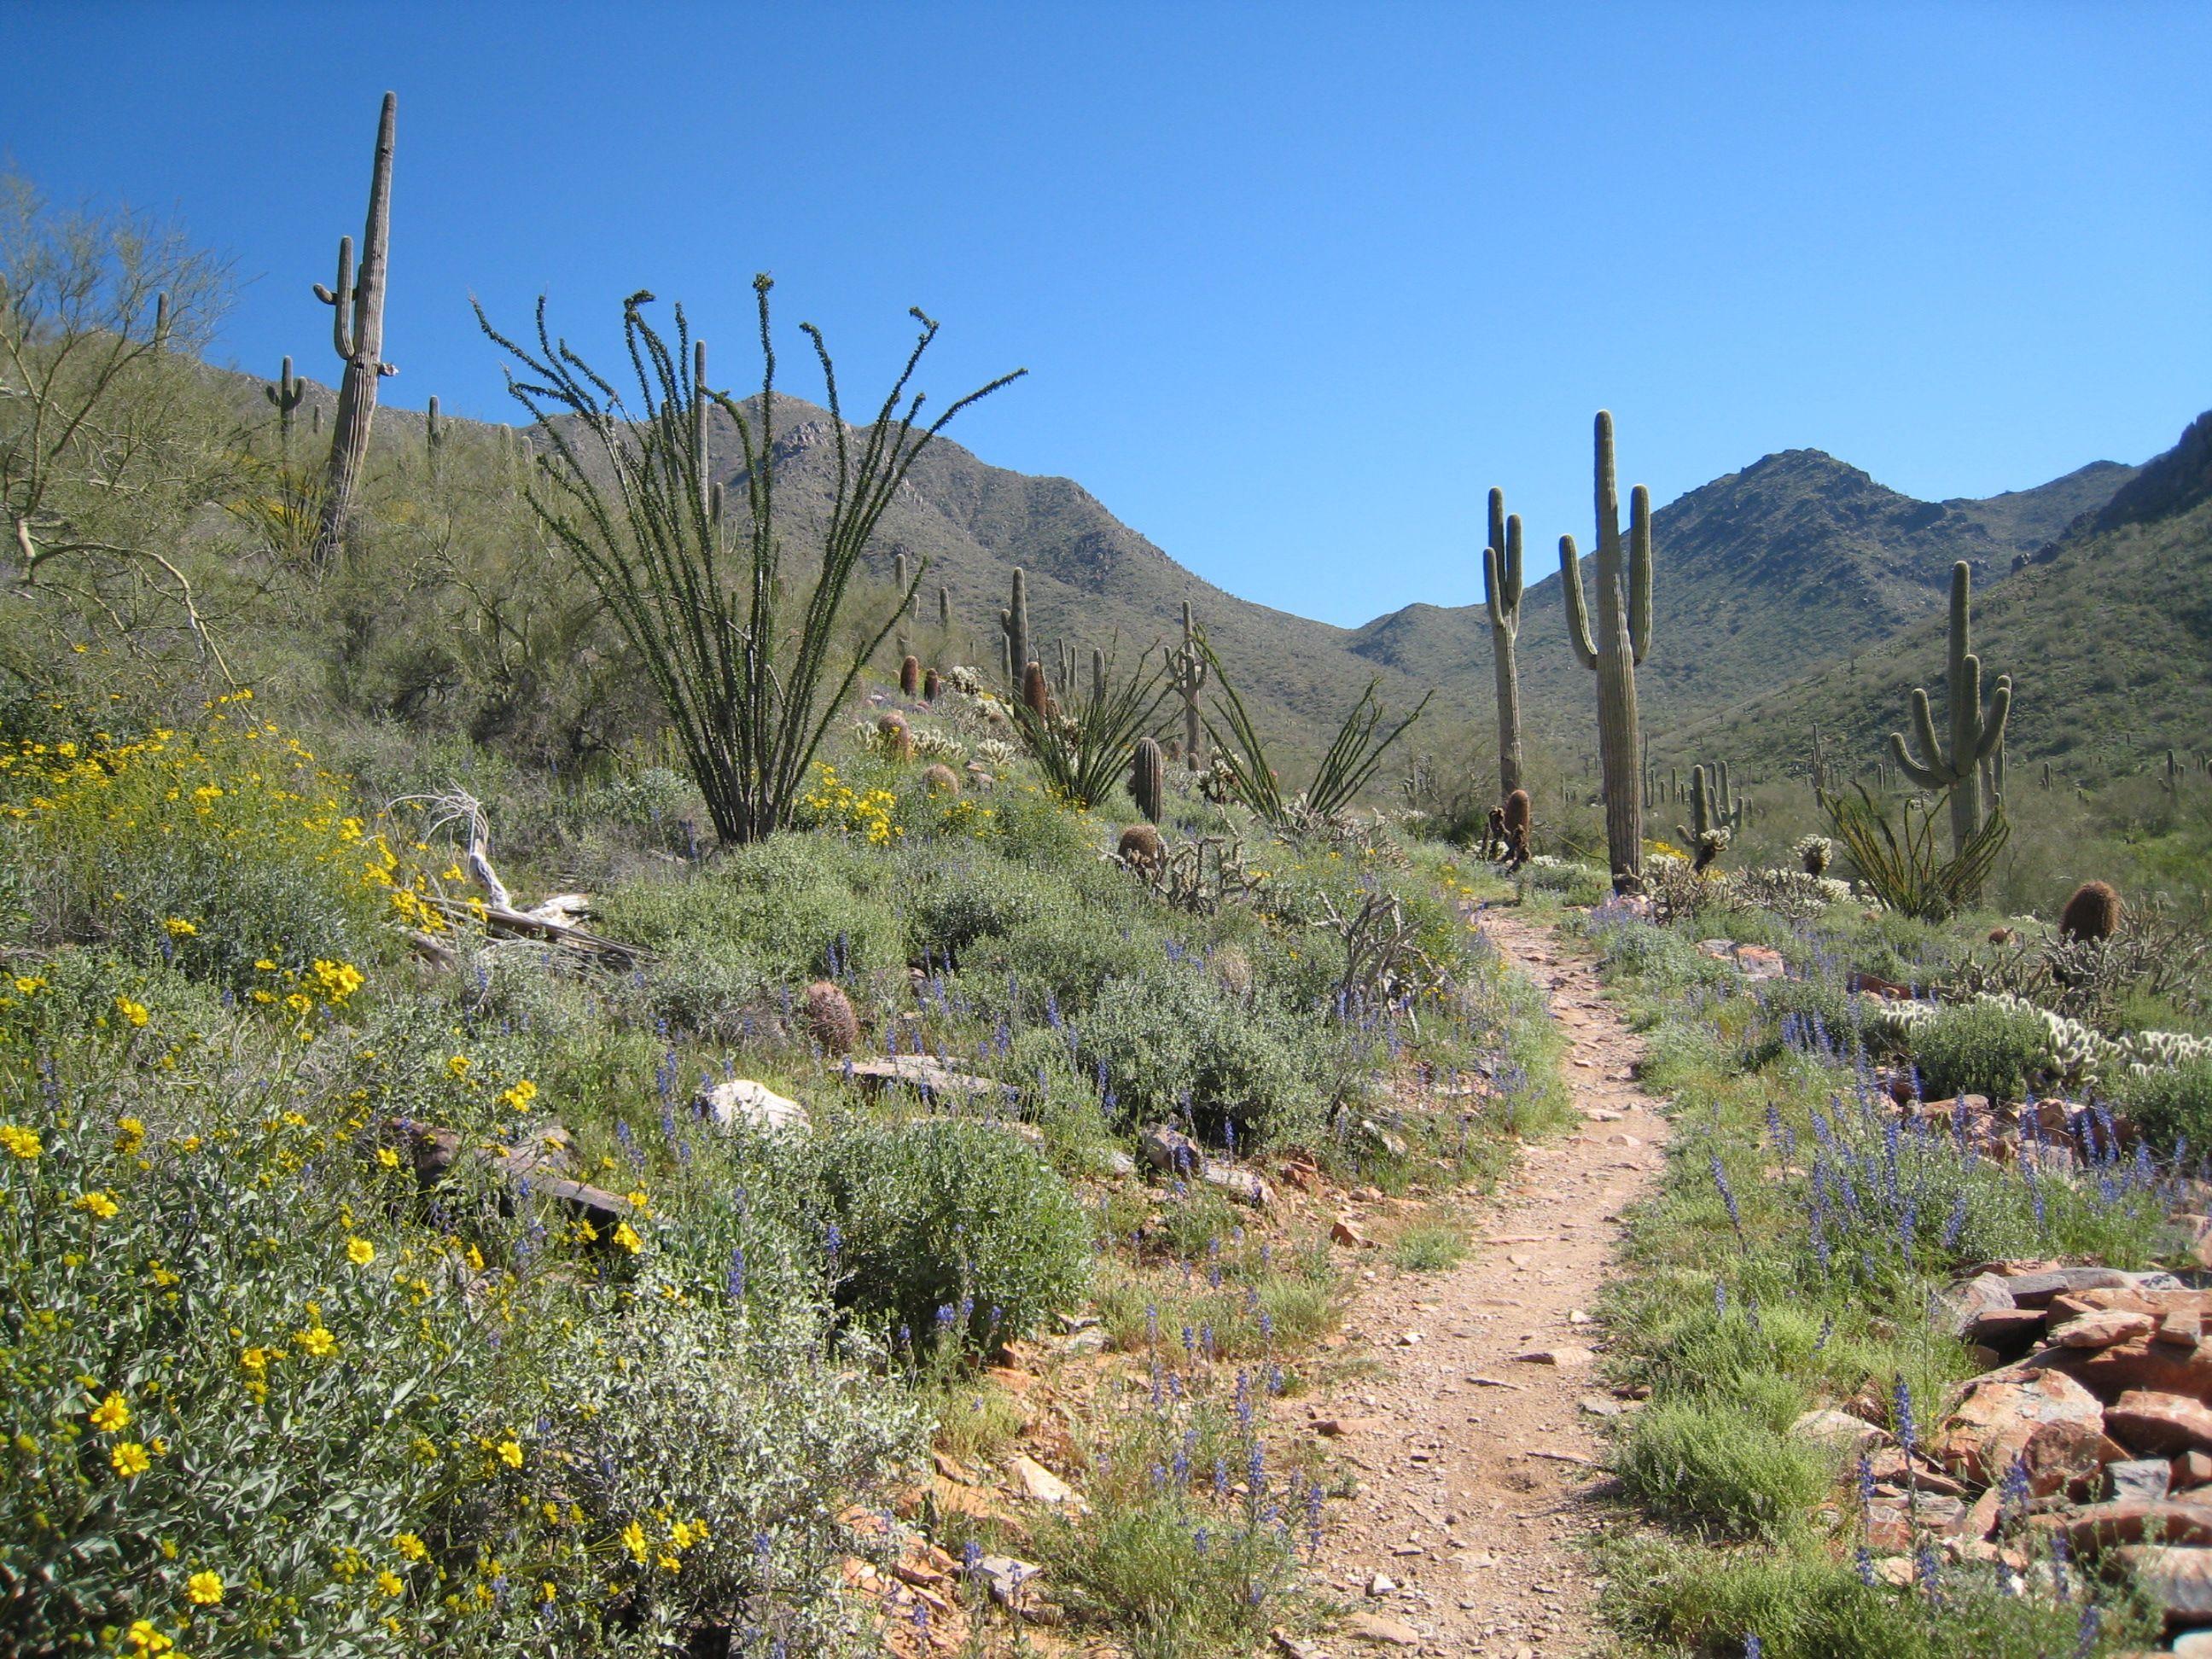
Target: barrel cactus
(828, 1014)
(1148, 776)
(2092, 912)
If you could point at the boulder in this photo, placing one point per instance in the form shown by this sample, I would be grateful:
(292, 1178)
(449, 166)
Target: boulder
(2166, 1425)
(1173, 1152)
(2141, 1363)
(2102, 1330)
(740, 1101)
(926, 1077)
(1957, 1308)
(2129, 1521)
(2176, 1577)
(2041, 1416)
(2139, 1477)
(2191, 1468)
(2035, 1289)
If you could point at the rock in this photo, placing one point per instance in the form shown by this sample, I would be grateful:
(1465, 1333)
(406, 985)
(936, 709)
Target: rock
(1116, 1162)
(2162, 1367)
(2005, 1327)
(2043, 1416)
(2138, 1477)
(1336, 1428)
(1381, 1584)
(2183, 1328)
(2191, 1468)
(1830, 1427)
(1040, 1484)
(1008, 1579)
(1386, 1632)
(1958, 1308)
(2035, 1289)
(2126, 1521)
(1243, 1185)
(740, 1101)
(2166, 1424)
(2102, 1330)
(1091, 1340)
(1565, 1357)
(924, 1076)
(2192, 1644)
(1171, 1151)
(1350, 1236)
(1290, 1647)
(1758, 961)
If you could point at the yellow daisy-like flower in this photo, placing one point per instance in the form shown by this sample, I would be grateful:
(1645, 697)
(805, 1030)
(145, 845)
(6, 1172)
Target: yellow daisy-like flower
(177, 928)
(109, 1414)
(20, 1141)
(129, 1131)
(130, 1460)
(134, 1012)
(510, 1453)
(458, 1065)
(317, 1341)
(30, 985)
(633, 1538)
(145, 1639)
(206, 1588)
(411, 1548)
(626, 1235)
(523, 1092)
(360, 1252)
(390, 1581)
(95, 1203)
(388, 1157)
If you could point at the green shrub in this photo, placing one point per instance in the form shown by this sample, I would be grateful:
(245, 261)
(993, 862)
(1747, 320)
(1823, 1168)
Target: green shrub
(957, 897)
(1072, 950)
(1570, 884)
(948, 1228)
(2170, 1105)
(1979, 1047)
(1175, 1037)
(805, 907)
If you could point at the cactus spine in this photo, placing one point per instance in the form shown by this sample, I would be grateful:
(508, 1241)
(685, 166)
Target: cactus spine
(1148, 778)
(1501, 587)
(285, 395)
(1014, 623)
(1977, 732)
(1622, 639)
(357, 330)
(1186, 672)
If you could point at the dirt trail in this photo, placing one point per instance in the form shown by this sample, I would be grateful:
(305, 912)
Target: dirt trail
(1472, 1459)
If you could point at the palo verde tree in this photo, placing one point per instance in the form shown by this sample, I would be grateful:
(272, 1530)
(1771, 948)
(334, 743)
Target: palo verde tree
(1623, 635)
(628, 493)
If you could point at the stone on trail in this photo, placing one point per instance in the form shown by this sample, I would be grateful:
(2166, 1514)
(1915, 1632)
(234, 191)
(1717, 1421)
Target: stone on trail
(1383, 1631)
(2102, 1330)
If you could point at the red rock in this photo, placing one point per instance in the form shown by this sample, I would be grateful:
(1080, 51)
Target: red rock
(2141, 1364)
(1350, 1236)
(2191, 1468)
(2102, 1330)
(2179, 1580)
(2164, 1424)
(2184, 1327)
(2001, 1327)
(2041, 1415)
(2073, 1304)
(2128, 1520)
(2036, 1289)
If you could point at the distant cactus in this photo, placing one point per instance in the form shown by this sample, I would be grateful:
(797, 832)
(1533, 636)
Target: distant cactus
(433, 433)
(1976, 734)
(1622, 638)
(944, 608)
(357, 330)
(829, 1020)
(1501, 587)
(1186, 672)
(1813, 853)
(1148, 779)
(2094, 912)
(893, 739)
(898, 578)
(941, 779)
(1035, 691)
(1097, 675)
(1014, 623)
(1140, 847)
(909, 676)
(285, 395)
(932, 684)
(1707, 834)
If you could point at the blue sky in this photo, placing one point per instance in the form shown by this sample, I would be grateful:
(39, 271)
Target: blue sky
(1296, 285)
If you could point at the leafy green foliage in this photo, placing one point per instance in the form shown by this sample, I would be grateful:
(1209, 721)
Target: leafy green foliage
(1979, 1047)
(2170, 1105)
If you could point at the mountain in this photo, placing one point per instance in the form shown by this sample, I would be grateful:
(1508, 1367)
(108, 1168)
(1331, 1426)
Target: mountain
(1797, 559)
(2107, 634)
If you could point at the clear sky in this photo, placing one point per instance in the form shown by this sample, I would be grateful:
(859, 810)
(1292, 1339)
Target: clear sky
(1295, 284)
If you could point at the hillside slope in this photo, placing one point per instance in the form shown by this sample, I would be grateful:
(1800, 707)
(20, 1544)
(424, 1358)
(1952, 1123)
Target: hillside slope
(2107, 636)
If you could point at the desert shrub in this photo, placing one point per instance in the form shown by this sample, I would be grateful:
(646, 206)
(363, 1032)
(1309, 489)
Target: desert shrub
(218, 849)
(1570, 884)
(2170, 1104)
(1979, 1047)
(1035, 831)
(948, 1230)
(1709, 1463)
(712, 988)
(955, 899)
(803, 906)
(1073, 951)
(1174, 1040)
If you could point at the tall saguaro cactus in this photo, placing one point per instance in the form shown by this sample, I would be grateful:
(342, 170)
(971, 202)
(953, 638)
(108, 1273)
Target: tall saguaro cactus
(1186, 672)
(1622, 638)
(1501, 588)
(1014, 623)
(357, 330)
(285, 395)
(1977, 732)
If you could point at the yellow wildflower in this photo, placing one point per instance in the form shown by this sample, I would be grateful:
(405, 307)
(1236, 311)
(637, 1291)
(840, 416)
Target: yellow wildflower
(177, 928)
(145, 1639)
(510, 1453)
(633, 1538)
(109, 1414)
(130, 1460)
(317, 1341)
(626, 1237)
(134, 1012)
(206, 1588)
(458, 1065)
(409, 1547)
(95, 1203)
(389, 1581)
(360, 1252)
(21, 1142)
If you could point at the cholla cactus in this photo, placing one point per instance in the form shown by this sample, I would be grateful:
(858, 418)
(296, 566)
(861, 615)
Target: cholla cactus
(1813, 853)
(996, 753)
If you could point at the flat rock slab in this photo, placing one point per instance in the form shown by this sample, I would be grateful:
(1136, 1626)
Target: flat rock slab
(924, 1076)
(2166, 1425)
(740, 1102)
(2035, 1289)
(2043, 1418)
(2130, 1520)
(1382, 1631)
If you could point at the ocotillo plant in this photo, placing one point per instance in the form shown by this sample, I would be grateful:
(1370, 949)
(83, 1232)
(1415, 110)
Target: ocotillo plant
(1501, 588)
(285, 395)
(1188, 668)
(1976, 732)
(357, 330)
(1014, 623)
(1623, 636)
(1148, 778)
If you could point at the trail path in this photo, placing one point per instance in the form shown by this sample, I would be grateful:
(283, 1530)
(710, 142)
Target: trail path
(1471, 1458)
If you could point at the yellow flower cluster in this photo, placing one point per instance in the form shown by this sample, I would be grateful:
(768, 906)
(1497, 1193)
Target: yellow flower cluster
(836, 804)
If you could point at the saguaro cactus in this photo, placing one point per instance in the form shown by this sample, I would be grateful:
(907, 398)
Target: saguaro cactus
(1977, 732)
(433, 433)
(1623, 636)
(1501, 588)
(357, 330)
(285, 395)
(944, 608)
(1097, 675)
(1014, 623)
(1186, 672)
(1148, 778)
(1708, 832)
